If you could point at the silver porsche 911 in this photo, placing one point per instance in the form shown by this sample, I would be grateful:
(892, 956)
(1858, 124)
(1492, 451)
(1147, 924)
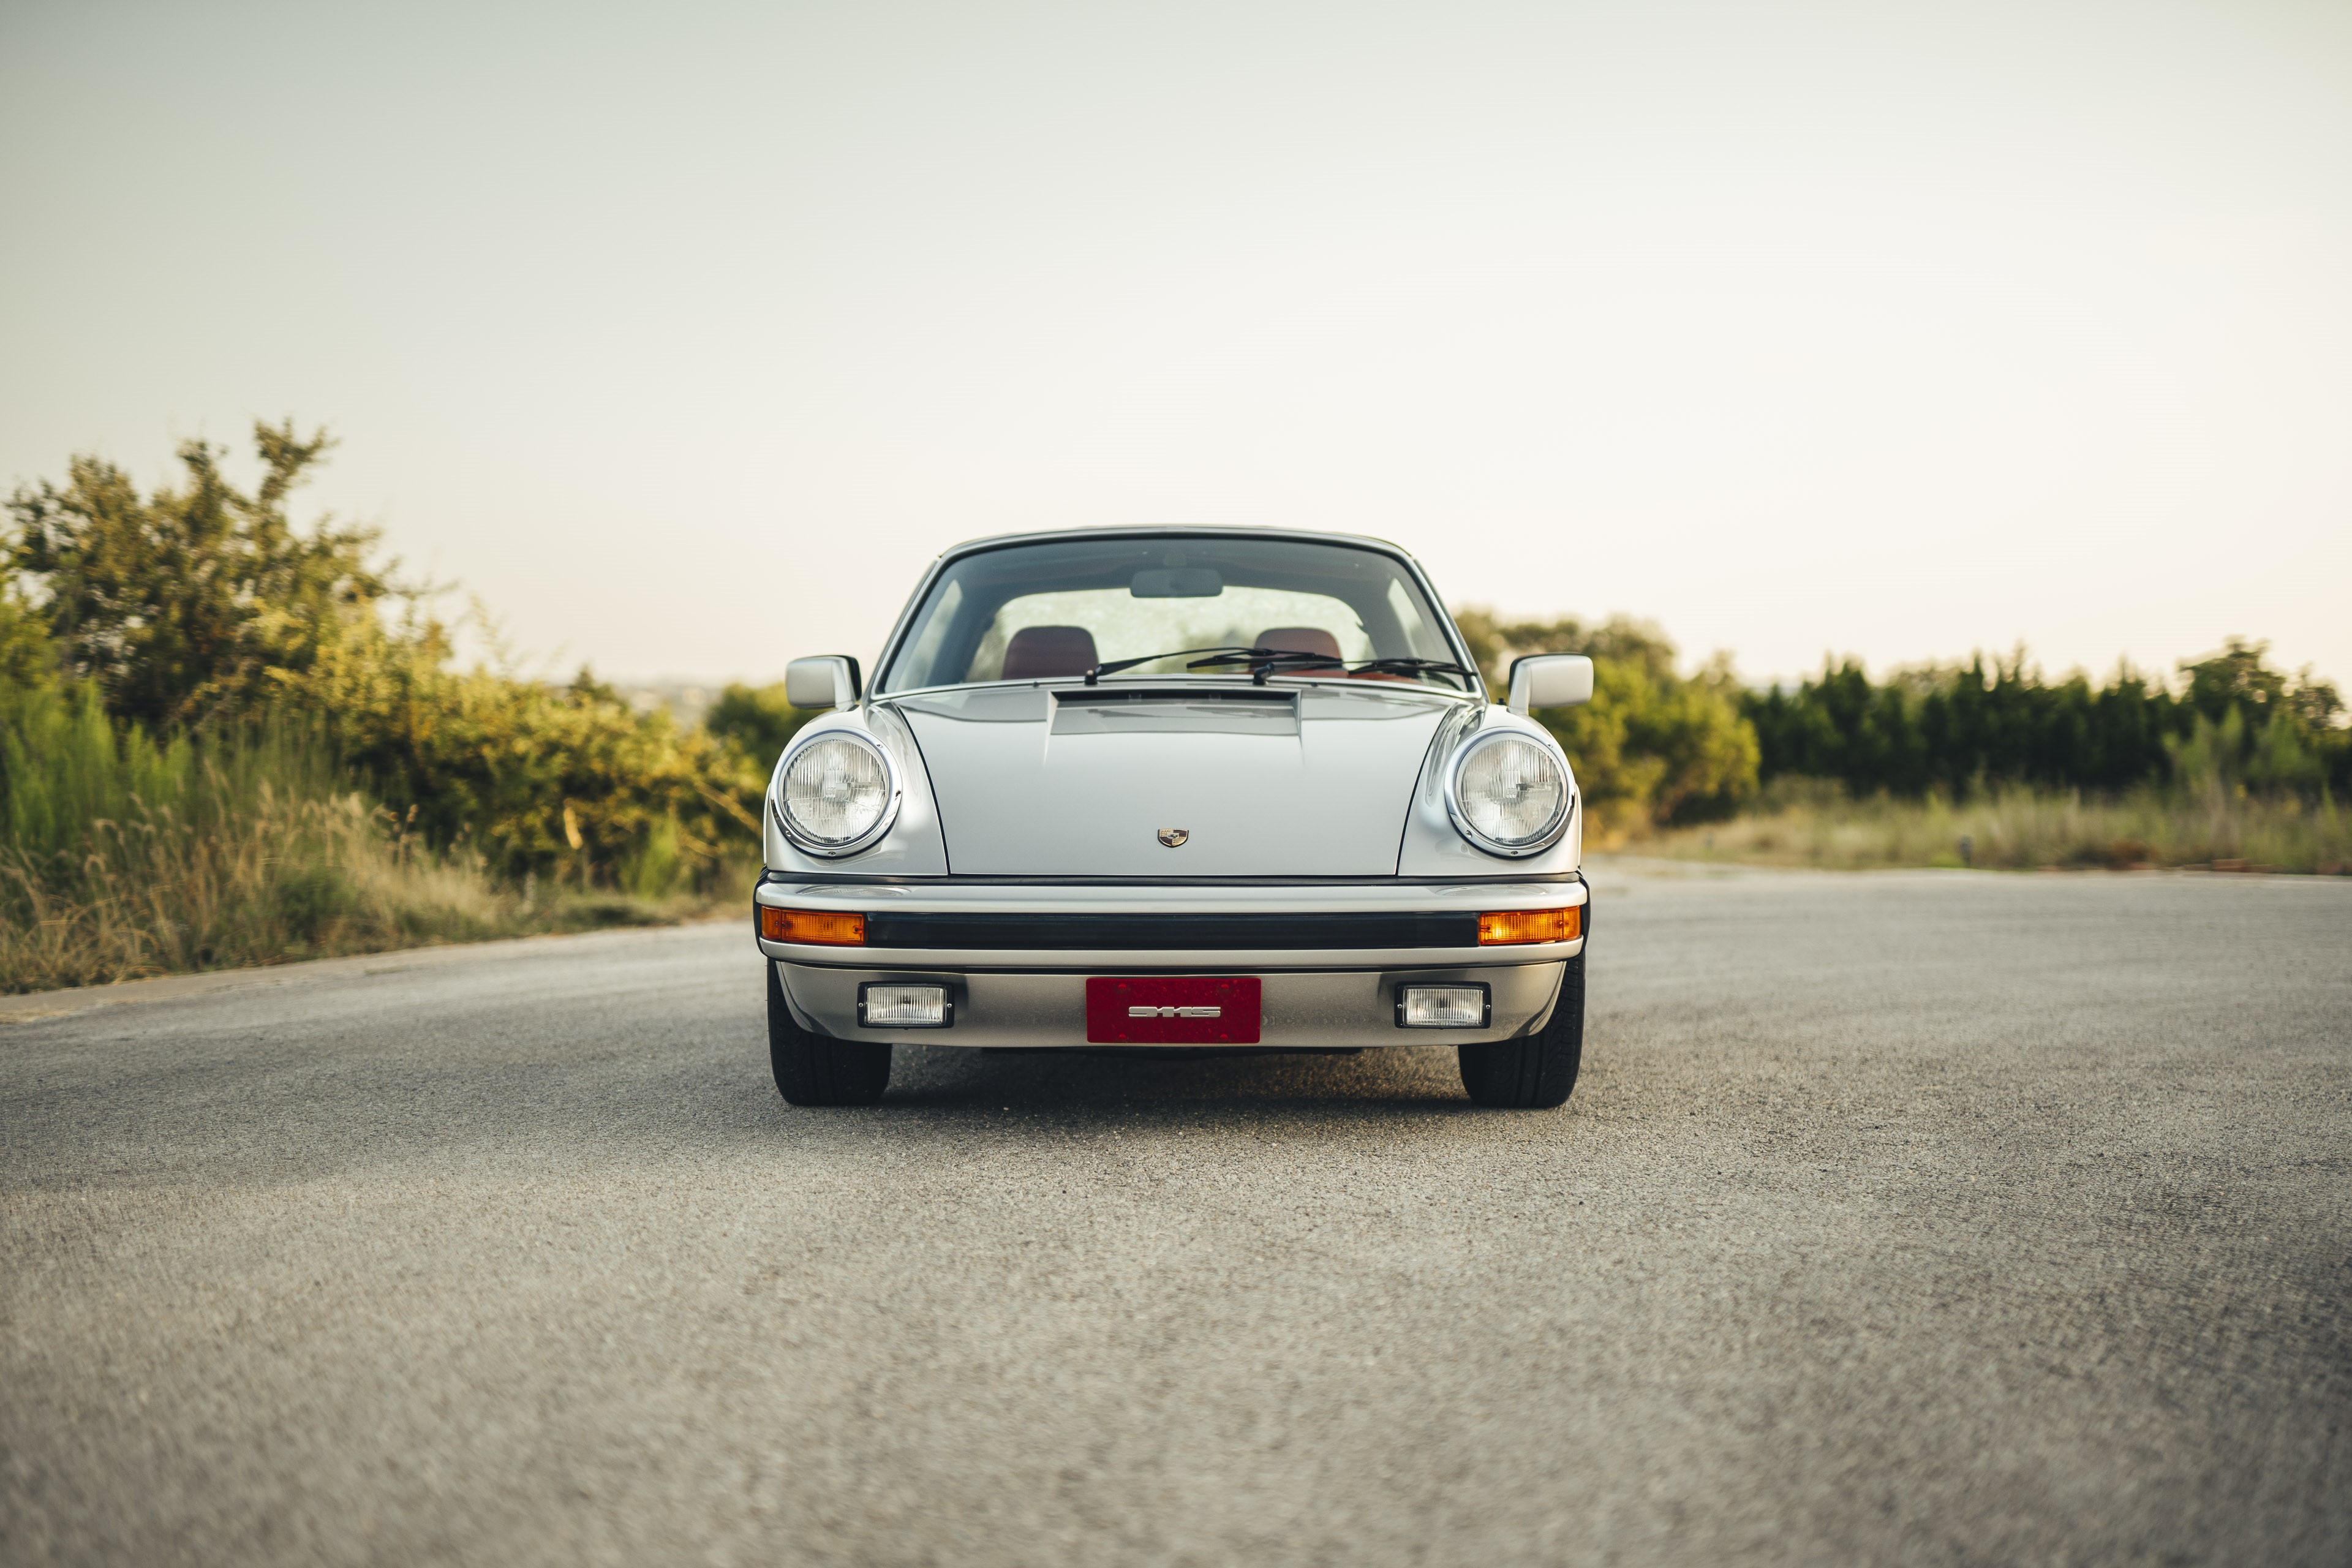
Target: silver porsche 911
(1228, 789)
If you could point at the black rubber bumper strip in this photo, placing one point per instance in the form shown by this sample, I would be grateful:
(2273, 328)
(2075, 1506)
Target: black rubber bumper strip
(1199, 934)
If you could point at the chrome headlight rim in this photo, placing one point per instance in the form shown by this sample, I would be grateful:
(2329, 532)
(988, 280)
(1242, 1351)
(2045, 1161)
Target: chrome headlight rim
(1552, 830)
(832, 849)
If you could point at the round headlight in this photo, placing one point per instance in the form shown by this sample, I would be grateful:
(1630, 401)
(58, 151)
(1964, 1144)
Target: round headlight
(1508, 795)
(838, 795)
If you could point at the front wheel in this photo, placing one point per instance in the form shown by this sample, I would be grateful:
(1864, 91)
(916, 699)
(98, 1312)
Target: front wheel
(1536, 1071)
(815, 1069)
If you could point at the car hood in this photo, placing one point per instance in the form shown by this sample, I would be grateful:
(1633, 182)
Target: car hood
(1308, 781)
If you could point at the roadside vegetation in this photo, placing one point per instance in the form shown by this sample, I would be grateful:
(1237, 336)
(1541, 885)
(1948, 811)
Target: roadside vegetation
(1653, 748)
(2233, 764)
(2016, 828)
(225, 740)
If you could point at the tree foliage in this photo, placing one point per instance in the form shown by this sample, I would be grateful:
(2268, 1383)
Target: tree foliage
(171, 620)
(196, 601)
(1954, 729)
(757, 721)
(1653, 746)
(200, 609)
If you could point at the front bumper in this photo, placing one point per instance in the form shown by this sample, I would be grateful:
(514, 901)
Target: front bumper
(1338, 995)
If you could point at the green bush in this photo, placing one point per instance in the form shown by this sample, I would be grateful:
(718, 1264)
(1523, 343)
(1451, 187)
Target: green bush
(1960, 728)
(758, 722)
(239, 845)
(201, 606)
(1653, 747)
(64, 766)
(195, 603)
(226, 740)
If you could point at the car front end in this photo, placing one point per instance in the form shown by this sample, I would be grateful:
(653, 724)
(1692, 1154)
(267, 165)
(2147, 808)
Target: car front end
(1042, 830)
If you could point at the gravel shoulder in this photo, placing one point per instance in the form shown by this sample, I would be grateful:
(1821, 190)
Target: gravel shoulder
(1940, 1217)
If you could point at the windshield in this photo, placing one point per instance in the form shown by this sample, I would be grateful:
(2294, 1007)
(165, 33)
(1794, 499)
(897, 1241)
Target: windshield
(1054, 610)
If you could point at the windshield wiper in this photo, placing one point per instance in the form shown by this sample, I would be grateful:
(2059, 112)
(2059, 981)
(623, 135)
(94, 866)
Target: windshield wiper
(1410, 667)
(1264, 661)
(1267, 660)
(1115, 666)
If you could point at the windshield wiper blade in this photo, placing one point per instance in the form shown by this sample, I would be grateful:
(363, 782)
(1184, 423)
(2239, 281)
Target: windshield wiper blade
(1268, 660)
(1410, 666)
(1115, 666)
(1265, 660)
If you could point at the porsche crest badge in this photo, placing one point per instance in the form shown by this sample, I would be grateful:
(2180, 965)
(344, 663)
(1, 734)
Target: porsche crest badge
(1173, 837)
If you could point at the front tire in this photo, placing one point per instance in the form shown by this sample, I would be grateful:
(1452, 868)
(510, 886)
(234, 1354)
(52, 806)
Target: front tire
(1537, 1071)
(815, 1069)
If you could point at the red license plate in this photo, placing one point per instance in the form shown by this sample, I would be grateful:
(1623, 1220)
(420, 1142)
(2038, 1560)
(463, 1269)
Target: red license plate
(1173, 1010)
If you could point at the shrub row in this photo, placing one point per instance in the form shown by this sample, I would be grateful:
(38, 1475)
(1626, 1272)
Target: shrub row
(2233, 722)
(199, 611)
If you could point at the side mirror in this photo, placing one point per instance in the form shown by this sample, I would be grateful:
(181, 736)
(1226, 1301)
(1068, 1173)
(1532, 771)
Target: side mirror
(1550, 680)
(827, 680)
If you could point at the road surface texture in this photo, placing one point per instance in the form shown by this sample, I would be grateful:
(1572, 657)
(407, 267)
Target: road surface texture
(1933, 1218)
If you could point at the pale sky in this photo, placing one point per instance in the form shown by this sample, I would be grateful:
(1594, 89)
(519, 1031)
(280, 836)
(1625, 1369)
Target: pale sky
(684, 335)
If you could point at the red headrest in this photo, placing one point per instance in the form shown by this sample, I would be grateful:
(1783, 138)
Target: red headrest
(1301, 639)
(1049, 653)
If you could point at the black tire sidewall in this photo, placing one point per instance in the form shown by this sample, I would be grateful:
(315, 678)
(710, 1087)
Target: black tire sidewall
(815, 1069)
(1536, 1071)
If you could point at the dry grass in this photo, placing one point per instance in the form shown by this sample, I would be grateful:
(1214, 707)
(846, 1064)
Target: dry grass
(283, 879)
(1801, 823)
(125, 857)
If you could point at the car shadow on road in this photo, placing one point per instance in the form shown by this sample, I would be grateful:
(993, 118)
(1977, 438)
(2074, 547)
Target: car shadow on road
(941, 1079)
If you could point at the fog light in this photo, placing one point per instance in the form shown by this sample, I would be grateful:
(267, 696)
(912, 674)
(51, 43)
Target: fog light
(829, 927)
(893, 1006)
(1505, 926)
(1442, 1007)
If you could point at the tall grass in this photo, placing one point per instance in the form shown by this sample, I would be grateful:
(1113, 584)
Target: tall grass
(126, 857)
(1808, 822)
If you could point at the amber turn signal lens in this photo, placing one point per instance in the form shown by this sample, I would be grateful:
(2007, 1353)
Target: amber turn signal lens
(1530, 925)
(829, 927)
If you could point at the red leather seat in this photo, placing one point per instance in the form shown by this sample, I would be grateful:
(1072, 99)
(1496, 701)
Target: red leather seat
(1049, 653)
(1301, 639)
(1315, 639)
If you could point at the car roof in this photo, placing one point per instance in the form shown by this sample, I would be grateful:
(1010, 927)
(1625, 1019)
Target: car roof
(1207, 530)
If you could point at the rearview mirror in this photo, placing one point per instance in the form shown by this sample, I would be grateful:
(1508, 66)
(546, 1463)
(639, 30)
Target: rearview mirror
(1178, 582)
(825, 681)
(1550, 680)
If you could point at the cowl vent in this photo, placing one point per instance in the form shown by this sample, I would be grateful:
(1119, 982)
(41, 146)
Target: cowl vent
(1246, 711)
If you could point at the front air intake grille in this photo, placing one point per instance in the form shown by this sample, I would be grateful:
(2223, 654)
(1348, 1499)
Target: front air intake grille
(1194, 933)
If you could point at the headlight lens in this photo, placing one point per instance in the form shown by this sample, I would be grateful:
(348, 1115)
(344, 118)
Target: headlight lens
(836, 790)
(1509, 793)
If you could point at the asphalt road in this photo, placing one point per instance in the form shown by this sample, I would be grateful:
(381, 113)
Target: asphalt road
(1936, 1218)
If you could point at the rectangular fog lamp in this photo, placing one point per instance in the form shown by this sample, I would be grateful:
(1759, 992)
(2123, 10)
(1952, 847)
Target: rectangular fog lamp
(893, 1006)
(1441, 1007)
